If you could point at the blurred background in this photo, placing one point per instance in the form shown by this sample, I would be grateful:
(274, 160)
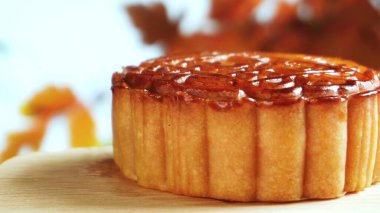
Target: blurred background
(75, 44)
(79, 44)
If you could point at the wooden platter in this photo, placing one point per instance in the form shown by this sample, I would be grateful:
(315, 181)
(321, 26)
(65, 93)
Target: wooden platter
(83, 180)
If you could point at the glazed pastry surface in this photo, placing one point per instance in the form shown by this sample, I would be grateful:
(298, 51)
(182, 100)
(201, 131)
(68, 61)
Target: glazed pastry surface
(252, 76)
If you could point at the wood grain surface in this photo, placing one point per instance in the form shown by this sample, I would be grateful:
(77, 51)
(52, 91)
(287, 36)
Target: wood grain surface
(84, 180)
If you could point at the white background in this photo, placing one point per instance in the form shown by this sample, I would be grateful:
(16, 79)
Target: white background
(75, 43)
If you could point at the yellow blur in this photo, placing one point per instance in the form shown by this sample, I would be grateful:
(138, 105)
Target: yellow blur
(41, 108)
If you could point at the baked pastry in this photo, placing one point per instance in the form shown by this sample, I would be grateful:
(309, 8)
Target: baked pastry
(248, 126)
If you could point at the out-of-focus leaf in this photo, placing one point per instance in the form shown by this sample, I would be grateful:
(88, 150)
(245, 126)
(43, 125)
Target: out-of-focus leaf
(237, 10)
(41, 108)
(346, 28)
(153, 22)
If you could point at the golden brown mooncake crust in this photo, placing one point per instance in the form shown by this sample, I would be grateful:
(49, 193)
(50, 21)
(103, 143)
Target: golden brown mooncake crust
(248, 126)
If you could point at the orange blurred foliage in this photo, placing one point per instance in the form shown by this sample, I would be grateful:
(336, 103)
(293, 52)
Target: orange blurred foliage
(41, 108)
(347, 28)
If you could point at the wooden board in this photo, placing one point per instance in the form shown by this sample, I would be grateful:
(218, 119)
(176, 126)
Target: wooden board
(85, 180)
